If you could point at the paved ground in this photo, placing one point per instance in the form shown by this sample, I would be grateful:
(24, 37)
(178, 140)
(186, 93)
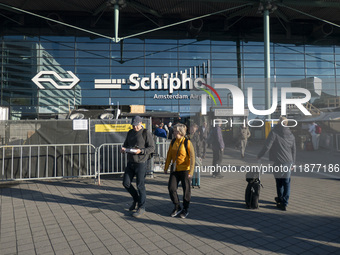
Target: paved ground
(79, 217)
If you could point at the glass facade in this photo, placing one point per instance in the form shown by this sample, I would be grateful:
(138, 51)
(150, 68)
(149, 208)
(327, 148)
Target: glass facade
(239, 63)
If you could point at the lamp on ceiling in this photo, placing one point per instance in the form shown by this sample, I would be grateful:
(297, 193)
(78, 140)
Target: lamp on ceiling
(194, 27)
(266, 5)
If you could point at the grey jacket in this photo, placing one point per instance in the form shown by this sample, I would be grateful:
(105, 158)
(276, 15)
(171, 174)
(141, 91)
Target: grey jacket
(136, 140)
(216, 138)
(197, 143)
(281, 145)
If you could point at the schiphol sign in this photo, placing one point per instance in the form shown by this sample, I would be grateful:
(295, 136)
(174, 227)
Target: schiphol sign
(166, 82)
(182, 81)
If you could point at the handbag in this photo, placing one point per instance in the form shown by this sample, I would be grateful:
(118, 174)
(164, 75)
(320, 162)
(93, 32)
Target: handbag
(173, 164)
(173, 167)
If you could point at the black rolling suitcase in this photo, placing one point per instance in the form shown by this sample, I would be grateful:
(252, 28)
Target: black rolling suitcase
(252, 195)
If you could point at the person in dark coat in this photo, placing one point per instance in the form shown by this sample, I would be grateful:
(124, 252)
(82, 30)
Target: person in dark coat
(282, 150)
(160, 132)
(196, 140)
(171, 131)
(204, 132)
(139, 145)
(217, 148)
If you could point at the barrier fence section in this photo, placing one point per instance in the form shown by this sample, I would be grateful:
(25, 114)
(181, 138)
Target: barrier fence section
(110, 160)
(161, 149)
(19, 162)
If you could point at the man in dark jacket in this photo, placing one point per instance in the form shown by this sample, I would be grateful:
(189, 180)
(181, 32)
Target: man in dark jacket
(196, 140)
(282, 150)
(217, 148)
(204, 132)
(139, 145)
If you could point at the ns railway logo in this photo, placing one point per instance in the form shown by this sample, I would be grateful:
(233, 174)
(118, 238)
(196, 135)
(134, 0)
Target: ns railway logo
(183, 82)
(39, 78)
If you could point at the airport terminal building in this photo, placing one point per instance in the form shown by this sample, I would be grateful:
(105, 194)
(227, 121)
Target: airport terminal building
(56, 57)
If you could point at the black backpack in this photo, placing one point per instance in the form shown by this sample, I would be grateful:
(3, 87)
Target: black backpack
(144, 134)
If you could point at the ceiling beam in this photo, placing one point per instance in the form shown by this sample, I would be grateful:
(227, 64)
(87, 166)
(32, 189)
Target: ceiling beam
(144, 8)
(308, 3)
(281, 15)
(240, 12)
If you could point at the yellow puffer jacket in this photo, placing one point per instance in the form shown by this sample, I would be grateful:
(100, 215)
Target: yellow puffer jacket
(184, 161)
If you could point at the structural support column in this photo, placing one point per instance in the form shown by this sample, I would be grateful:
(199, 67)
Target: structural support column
(239, 64)
(266, 24)
(116, 22)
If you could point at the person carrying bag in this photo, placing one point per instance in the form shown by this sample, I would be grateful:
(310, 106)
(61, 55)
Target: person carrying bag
(181, 154)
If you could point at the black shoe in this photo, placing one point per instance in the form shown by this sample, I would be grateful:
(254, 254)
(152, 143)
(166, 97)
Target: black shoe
(176, 211)
(133, 206)
(278, 202)
(282, 207)
(184, 213)
(139, 213)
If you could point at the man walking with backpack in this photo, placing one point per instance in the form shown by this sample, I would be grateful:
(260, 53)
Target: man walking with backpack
(139, 145)
(282, 150)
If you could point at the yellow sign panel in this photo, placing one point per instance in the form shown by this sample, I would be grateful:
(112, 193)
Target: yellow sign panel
(106, 128)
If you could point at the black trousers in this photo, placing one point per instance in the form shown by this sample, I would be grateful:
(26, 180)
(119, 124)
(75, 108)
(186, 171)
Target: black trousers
(138, 170)
(217, 158)
(175, 178)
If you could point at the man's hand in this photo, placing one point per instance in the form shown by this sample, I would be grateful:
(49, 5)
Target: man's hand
(138, 151)
(190, 176)
(123, 150)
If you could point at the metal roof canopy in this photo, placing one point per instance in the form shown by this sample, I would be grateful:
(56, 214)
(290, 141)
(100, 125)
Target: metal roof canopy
(292, 21)
(155, 13)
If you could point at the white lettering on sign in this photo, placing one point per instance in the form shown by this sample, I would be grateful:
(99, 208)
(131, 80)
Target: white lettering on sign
(165, 83)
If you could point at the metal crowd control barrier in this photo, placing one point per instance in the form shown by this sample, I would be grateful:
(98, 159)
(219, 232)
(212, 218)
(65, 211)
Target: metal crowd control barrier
(110, 160)
(19, 162)
(161, 149)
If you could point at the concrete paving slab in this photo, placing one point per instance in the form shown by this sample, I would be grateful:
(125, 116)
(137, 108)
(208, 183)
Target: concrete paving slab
(76, 216)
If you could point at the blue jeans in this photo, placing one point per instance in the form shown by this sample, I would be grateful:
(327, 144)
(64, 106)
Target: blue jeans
(138, 170)
(283, 184)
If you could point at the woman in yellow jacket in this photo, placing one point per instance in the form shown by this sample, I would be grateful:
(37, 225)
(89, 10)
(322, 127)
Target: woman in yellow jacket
(182, 156)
